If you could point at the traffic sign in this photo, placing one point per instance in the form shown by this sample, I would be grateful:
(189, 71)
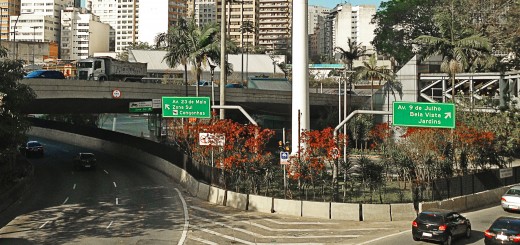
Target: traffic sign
(140, 106)
(335, 153)
(156, 103)
(116, 93)
(186, 107)
(284, 157)
(212, 139)
(419, 114)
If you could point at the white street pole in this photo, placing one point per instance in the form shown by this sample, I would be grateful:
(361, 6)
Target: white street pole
(300, 82)
(344, 116)
(223, 58)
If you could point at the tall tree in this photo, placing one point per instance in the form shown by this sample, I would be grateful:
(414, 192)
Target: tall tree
(371, 71)
(399, 22)
(354, 52)
(459, 47)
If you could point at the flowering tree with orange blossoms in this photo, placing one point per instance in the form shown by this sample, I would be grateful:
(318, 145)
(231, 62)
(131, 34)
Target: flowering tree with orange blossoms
(241, 157)
(308, 168)
(380, 135)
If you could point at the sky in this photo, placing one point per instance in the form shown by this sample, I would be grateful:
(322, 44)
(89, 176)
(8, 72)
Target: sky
(333, 3)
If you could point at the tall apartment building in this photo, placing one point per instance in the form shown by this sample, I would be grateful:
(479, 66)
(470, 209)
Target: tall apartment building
(316, 14)
(275, 21)
(134, 21)
(203, 11)
(82, 34)
(8, 8)
(350, 22)
(317, 23)
(238, 13)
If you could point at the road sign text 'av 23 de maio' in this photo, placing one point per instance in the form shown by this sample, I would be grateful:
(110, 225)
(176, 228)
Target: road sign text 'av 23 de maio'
(186, 107)
(419, 114)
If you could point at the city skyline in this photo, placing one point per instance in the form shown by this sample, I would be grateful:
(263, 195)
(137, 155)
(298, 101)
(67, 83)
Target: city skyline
(333, 3)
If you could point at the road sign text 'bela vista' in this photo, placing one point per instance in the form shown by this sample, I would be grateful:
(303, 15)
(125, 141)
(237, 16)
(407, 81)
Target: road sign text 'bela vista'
(419, 114)
(186, 107)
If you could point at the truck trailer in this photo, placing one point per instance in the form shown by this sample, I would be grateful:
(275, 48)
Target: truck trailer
(110, 69)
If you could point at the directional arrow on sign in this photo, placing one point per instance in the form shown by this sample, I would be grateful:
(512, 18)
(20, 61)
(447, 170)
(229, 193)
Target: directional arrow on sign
(167, 106)
(447, 115)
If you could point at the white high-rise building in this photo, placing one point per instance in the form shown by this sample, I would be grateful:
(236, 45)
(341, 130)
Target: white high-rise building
(82, 34)
(316, 14)
(205, 11)
(350, 22)
(39, 20)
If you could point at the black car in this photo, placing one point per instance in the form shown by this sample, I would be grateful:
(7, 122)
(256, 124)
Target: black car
(504, 230)
(32, 148)
(440, 225)
(85, 160)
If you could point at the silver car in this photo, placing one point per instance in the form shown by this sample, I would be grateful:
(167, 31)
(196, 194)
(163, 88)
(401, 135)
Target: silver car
(511, 199)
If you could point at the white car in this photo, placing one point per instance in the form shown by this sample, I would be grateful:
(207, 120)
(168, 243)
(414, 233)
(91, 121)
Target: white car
(511, 199)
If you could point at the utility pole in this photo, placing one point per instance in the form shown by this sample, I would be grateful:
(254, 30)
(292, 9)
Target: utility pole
(223, 58)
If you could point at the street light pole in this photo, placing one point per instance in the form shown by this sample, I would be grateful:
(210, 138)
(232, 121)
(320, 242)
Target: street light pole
(223, 58)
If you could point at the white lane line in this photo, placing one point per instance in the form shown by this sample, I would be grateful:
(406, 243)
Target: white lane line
(224, 236)
(383, 237)
(203, 241)
(220, 224)
(66, 199)
(105, 171)
(74, 187)
(186, 219)
(43, 224)
(299, 223)
(115, 184)
(117, 201)
(110, 224)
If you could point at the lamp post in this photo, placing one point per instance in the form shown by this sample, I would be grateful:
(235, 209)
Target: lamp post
(212, 69)
(34, 41)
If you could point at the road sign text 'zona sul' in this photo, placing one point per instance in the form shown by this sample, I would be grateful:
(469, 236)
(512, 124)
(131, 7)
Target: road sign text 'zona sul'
(419, 114)
(186, 107)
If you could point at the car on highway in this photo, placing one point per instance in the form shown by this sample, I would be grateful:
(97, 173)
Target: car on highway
(440, 225)
(85, 160)
(49, 74)
(510, 201)
(32, 148)
(504, 230)
(234, 85)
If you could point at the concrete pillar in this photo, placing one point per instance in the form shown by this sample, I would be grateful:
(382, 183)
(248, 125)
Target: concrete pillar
(300, 67)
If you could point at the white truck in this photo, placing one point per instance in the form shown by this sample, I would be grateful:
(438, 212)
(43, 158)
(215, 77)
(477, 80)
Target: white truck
(109, 69)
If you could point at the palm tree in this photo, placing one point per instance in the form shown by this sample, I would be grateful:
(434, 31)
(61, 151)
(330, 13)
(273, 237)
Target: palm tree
(193, 44)
(459, 50)
(354, 52)
(372, 72)
(247, 27)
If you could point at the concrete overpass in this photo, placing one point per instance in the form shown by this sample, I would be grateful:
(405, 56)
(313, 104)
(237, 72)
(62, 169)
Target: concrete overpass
(82, 96)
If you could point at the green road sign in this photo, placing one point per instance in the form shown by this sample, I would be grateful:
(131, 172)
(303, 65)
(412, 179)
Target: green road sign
(429, 115)
(186, 107)
(140, 106)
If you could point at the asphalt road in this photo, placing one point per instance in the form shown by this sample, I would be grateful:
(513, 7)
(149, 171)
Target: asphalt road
(120, 203)
(480, 221)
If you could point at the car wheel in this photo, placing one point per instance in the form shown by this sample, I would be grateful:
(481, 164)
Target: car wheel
(416, 238)
(448, 240)
(468, 232)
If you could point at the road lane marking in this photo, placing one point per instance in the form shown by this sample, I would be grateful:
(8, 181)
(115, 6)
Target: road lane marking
(43, 224)
(224, 236)
(203, 241)
(115, 184)
(117, 201)
(66, 199)
(220, 224)
(186, 219)
(110, 224)
(74, 187)
(383, 237)
(105, 171)
(299, 223)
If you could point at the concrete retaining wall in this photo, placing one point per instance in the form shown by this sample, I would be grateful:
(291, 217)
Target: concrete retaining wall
(337, 211)
(376, 212)
(344, 211)
(260, 204)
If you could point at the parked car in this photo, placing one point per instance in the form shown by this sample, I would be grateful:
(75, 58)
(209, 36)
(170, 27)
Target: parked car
(511, 199)
(32, 148)
(440, 225)
(504, 230)
(234, 85)
(50, 74)
(85, 160)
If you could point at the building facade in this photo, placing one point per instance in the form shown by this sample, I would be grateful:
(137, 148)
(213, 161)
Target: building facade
(275, 25)
(8, 8)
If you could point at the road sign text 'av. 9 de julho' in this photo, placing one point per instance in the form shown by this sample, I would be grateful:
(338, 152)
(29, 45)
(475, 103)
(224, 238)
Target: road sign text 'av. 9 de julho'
(419, 114)
(186, 107)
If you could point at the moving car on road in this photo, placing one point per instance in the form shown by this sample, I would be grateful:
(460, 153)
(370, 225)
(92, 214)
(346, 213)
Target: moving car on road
(32, 148)
(85, 160)
(50, 74)
(440, 225)
(504, 230)
(511, 199)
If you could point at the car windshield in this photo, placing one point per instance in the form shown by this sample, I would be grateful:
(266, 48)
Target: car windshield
(87, 156)
(513, 192)
(33, 144)
(433, 218)
(506, 225)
